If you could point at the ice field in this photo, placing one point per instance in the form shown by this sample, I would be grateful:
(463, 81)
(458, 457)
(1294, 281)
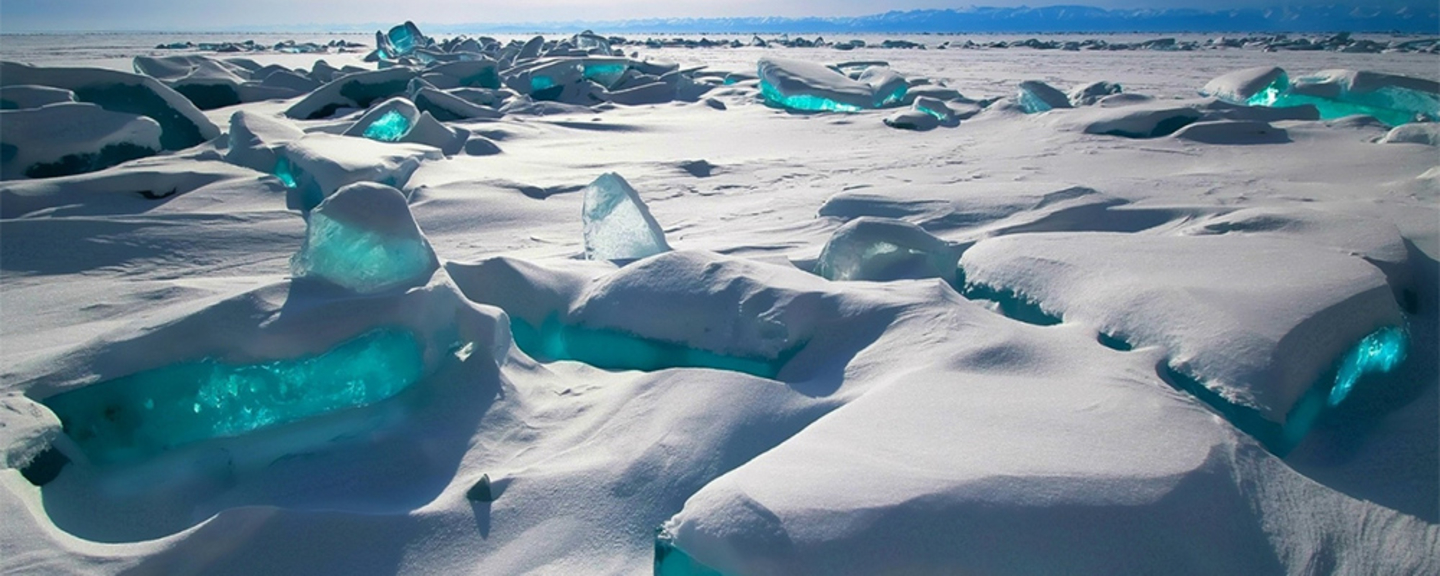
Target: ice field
(578, 304)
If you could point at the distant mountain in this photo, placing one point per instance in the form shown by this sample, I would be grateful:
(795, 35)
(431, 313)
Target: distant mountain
(1334, 18)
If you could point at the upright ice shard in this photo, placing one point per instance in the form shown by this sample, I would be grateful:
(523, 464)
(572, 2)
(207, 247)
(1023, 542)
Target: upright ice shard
(869, 248)
(363, 238)
(137, 416)
(618, 225)
(1035, 97)
(388, 121)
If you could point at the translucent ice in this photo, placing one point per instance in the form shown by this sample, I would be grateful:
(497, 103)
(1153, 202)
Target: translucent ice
(1381, 351)
(364, 239)
(618, 225)
(614, 350)
(800, 85)
(144, 414)
(1394, 100)
(869, 248)
(672, 561)
(1035, 97)
(389, 127)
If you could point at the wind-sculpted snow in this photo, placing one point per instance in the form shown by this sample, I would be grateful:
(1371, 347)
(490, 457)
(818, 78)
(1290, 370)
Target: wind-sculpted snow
(21, 97)
(315, 166)
(71, 138)
(255, 140)
(1226, 322)
(356, 91)
(364, 239)
(617, 224)
(182, 125)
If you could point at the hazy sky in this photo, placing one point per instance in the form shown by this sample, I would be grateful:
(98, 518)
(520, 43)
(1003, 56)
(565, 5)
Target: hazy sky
(40, 15)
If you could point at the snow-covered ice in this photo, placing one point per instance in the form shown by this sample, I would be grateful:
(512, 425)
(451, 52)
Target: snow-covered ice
(376, 313)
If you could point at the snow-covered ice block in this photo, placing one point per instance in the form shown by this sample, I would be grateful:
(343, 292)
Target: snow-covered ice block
(359, 90)
(255, 140)
(1232, 132)
(20, 97)
(801, 85)
(1414, 133)
(1240, 86)
(1142, 120)
(71, 138)
(1257, 320)
(1087, 94)
(141, 415)
(886, 86)
(364, 239)
(317, 165)
(618, 225)
(1026, 455)
(448, 107)
(205, 81)
(182, 124)
(869, 248)
(480, 73)
(912, 119)
(388, 121)
(1035, 96)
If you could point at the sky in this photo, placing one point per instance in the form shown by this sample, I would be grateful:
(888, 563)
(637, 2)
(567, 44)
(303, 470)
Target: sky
(199, 15)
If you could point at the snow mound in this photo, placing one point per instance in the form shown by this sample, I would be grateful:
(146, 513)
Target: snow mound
(1088, 94)
(1141, 120)
(1260, 331)
(1240, 86)
(182, 124)
(1414, 133)
(358, 90)
(1232, 132)
(316, 166)
(72, 138)
(211, 83)
(364, 239)
(1066, 458)
(256, 139)
(617, 224)
(870, 248)
(20, 97)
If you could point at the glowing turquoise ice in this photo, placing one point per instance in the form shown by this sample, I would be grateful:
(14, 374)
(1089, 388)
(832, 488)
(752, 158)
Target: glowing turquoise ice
(538, 83)
(389, 127)
(612, 350)
(1391, 105)
(672, 561)
(403, 38)
(1031, 103)
(893, 97)
(803, 102)
(1379, 352)
(359, 259)
(285, 172)
(144, 414)
(606, 74)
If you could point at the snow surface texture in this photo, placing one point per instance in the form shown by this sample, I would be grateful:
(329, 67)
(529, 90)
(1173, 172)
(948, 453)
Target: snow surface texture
(1142, 332)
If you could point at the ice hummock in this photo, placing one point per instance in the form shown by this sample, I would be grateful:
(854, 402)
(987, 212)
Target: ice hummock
(807, 86)
(869, 248)
(255, 140)
(137, 416)
(1035, 97)
(618, 225)
(364, 239)
(317, 165)
(71, 138)
(182, 124)
(1389, 98)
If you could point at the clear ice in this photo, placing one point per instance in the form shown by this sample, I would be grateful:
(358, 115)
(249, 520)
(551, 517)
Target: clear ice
(389, 127)
(1381, 351)
(286, 172)
(612, 350)
(803, 102)
(618, 226)
(672, 561)
(885, 249)
(607, 74)
(364, 239)
(137, 416)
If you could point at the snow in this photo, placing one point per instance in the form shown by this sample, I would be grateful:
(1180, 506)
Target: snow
(618, 225)
(805, 85)
(22, 96)
(1207, 352)
(72, 138)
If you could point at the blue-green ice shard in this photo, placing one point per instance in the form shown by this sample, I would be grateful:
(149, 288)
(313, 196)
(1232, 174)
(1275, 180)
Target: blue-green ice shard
(1379, 352)
(144, 414)
(612, 350)
(803, 102)
(285, 172)
(389, 127)
(359, 259)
